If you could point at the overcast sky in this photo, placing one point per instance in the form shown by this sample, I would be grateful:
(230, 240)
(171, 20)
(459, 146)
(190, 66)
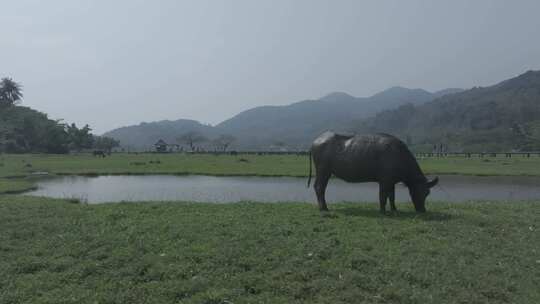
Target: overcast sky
(116, 63)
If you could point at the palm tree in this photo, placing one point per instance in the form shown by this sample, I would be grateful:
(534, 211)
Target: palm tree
(10, 91)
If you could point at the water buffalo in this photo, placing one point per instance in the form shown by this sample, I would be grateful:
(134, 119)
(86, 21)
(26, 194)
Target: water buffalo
(380, 158)
(99, 153)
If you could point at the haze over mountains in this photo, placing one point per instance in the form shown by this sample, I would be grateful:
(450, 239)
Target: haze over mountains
(294, 125)
(505, 116)
(502, 117)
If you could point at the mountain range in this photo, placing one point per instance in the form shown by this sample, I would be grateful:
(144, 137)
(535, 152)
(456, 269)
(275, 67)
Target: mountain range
(502, 117)
(293, 125)
(505, 116)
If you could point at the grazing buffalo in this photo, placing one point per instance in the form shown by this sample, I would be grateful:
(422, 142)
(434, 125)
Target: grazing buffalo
(380, 158)
(99, 153)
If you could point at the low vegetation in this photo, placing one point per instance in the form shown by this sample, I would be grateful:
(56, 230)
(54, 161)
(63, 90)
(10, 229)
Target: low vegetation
(15, 185)
(487, 166)
(263, 165)
(53, 251)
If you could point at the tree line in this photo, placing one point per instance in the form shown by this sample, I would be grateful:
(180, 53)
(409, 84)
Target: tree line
(24, 130)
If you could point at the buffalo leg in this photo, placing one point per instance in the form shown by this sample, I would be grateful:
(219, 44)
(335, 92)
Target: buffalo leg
(392, 198)
(321, 181)
(383, 195)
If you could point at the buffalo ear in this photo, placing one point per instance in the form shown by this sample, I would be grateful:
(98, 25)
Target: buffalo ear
(433, 182)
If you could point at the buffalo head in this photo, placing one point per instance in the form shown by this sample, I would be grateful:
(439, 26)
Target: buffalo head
(419, 192)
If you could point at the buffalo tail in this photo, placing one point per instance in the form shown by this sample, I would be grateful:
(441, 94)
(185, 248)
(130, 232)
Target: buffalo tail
(309, 179)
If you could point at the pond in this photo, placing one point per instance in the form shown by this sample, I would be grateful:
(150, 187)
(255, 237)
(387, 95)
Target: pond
(453, 188)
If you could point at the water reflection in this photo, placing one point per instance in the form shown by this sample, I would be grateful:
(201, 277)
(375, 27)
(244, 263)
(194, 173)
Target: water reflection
(271, 189)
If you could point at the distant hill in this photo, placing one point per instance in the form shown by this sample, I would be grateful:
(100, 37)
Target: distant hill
(502, 117)
(293, 125)
(298, 123)
(145, 135)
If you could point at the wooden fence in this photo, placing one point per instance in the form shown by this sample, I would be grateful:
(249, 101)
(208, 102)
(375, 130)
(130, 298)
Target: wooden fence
(479, 154)
(418, 155)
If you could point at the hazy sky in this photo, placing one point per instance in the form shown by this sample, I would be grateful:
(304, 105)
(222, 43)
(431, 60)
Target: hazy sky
(115, 63)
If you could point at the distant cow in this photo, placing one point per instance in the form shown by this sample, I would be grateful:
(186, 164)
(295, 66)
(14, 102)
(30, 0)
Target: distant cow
(380, 158)
(99, 153)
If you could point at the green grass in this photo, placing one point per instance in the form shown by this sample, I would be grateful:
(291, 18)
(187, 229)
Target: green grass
(289, 165)
(53, 251)
(487, 166)
(268, 165)
(15, 185)
(62, 251)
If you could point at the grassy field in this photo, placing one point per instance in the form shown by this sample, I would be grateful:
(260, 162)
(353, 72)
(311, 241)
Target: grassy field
(15, 185)
(22, 165)
(52, 251)
(271, 165)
